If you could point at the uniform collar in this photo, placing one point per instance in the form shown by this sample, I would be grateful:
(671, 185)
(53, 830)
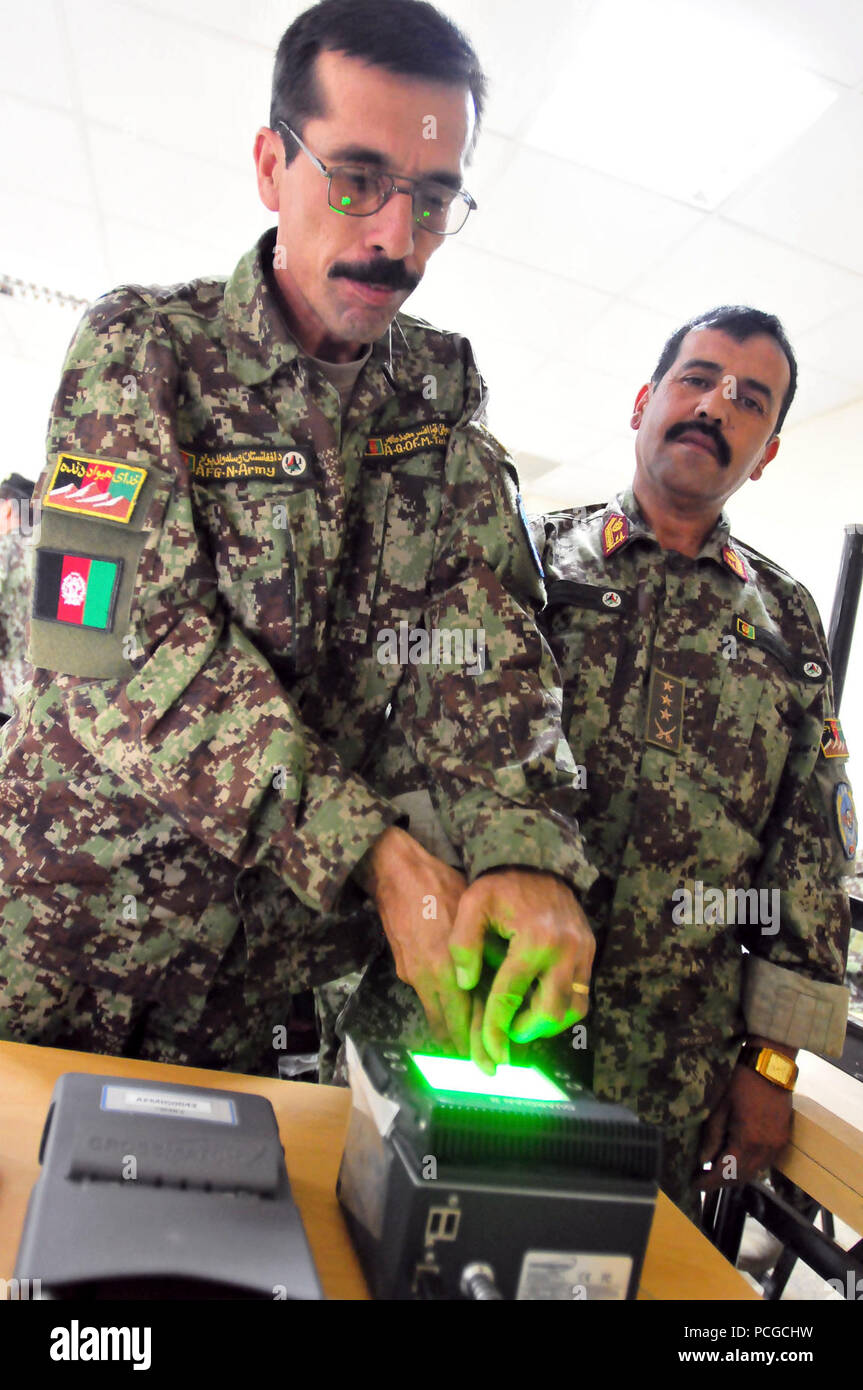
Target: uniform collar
(623, 523)
(255, 332)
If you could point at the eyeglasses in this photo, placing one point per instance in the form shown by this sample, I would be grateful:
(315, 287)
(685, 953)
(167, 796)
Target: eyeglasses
(360, 190)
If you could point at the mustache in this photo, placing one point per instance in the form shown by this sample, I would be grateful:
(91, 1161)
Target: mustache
(394, 275)
(723, 452)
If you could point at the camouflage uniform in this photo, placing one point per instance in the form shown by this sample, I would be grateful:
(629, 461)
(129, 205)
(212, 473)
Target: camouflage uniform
(697, 697)
(15, 588)
(220, 550)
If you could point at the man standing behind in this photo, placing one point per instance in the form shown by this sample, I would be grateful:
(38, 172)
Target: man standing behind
(716, 806)
(248, 481)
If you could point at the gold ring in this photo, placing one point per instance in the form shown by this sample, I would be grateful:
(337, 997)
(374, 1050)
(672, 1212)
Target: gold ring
(580, 989)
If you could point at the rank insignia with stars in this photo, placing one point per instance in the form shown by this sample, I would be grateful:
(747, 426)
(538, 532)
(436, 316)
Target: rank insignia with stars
(735, 563)
(665, 711)
(833, 743)
(614, 533)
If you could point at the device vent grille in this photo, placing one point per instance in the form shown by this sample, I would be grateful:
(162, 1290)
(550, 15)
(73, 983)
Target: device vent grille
(613, 1148)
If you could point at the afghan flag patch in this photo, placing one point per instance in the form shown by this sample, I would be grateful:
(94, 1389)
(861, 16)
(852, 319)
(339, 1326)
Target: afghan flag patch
(76, 589)
(94, 487)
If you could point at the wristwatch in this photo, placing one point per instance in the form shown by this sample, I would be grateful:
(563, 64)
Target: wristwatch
(772, 1065)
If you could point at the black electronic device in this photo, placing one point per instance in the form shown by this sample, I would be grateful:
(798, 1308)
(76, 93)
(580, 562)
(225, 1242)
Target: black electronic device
(155, 1190)
(517, 1186)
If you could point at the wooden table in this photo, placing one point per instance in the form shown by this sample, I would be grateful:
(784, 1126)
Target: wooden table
(680, 1262)
(825, 1156)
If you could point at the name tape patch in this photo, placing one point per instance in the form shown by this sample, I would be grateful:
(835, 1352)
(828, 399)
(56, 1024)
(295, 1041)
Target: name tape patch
(233, 465)
(95, 487)
(80, 590)
(434, 434)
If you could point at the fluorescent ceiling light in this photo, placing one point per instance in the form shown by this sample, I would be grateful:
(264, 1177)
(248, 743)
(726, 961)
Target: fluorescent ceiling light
(681, 99)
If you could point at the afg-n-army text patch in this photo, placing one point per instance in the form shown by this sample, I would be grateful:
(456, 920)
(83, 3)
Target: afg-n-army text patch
(76, 589)
(236, 465)
(95, 487)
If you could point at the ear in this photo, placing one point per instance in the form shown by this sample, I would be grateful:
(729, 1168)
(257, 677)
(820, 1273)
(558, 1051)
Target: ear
(769, 453)
(269, 161)
(640, 402)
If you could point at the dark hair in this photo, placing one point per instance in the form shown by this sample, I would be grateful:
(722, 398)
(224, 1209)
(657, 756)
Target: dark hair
(739, 322)
(16, 486)
(408, 37)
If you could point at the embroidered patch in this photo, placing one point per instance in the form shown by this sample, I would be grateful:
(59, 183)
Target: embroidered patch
(77, 589)
(235, 465)
(665, 711)
(614, 533)
(433, 434)
(746, 630)
(95, 487)
(833, 743)
(735, 563)
(611, 598)
(846, 819)
(812, 670)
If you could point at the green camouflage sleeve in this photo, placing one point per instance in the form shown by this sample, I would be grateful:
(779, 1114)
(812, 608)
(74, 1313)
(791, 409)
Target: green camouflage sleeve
(170, 695)
(490, 740)
(793, 989)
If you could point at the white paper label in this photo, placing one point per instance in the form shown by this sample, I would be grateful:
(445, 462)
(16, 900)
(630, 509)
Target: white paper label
(180, 1105)
(565, 1275)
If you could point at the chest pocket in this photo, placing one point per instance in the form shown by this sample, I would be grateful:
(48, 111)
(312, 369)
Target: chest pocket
(585, 626)
(386, 562)
(759, 707)
(264, 539)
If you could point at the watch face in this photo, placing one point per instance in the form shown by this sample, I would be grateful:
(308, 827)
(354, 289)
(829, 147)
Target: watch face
(779, 1068)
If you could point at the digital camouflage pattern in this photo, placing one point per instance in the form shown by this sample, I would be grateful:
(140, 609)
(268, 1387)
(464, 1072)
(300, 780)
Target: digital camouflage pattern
(195, 749)
(15, 593)
(700, 739)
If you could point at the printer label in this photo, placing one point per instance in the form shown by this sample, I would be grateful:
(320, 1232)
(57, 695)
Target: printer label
(181, 1105)
(565, 1275)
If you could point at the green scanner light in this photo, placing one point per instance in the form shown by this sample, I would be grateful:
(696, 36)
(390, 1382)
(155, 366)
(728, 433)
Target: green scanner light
(516, 1083)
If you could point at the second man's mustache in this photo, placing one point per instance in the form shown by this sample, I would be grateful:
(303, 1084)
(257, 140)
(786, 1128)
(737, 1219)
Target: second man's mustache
(723, 453)
(394, 275)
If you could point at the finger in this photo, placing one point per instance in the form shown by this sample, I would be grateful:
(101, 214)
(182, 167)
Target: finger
(456, 1009)
(477, 1050)
(468, 938)
(553, 1003)
(506, 996)
(434, 1013)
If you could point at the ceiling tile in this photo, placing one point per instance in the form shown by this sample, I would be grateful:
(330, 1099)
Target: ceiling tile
(142, 256)
(620, 100)
(52, 152)
(172, 192)
(721, 263)
(812, 197)
(33, 59)
(486, 297)
(51, 243)
(577, 224)
(170, 82)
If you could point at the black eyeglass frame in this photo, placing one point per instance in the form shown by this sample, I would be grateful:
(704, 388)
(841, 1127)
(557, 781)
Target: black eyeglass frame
(416, 186)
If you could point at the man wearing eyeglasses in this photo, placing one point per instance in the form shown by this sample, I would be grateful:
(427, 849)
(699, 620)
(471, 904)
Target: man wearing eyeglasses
(251, 485)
